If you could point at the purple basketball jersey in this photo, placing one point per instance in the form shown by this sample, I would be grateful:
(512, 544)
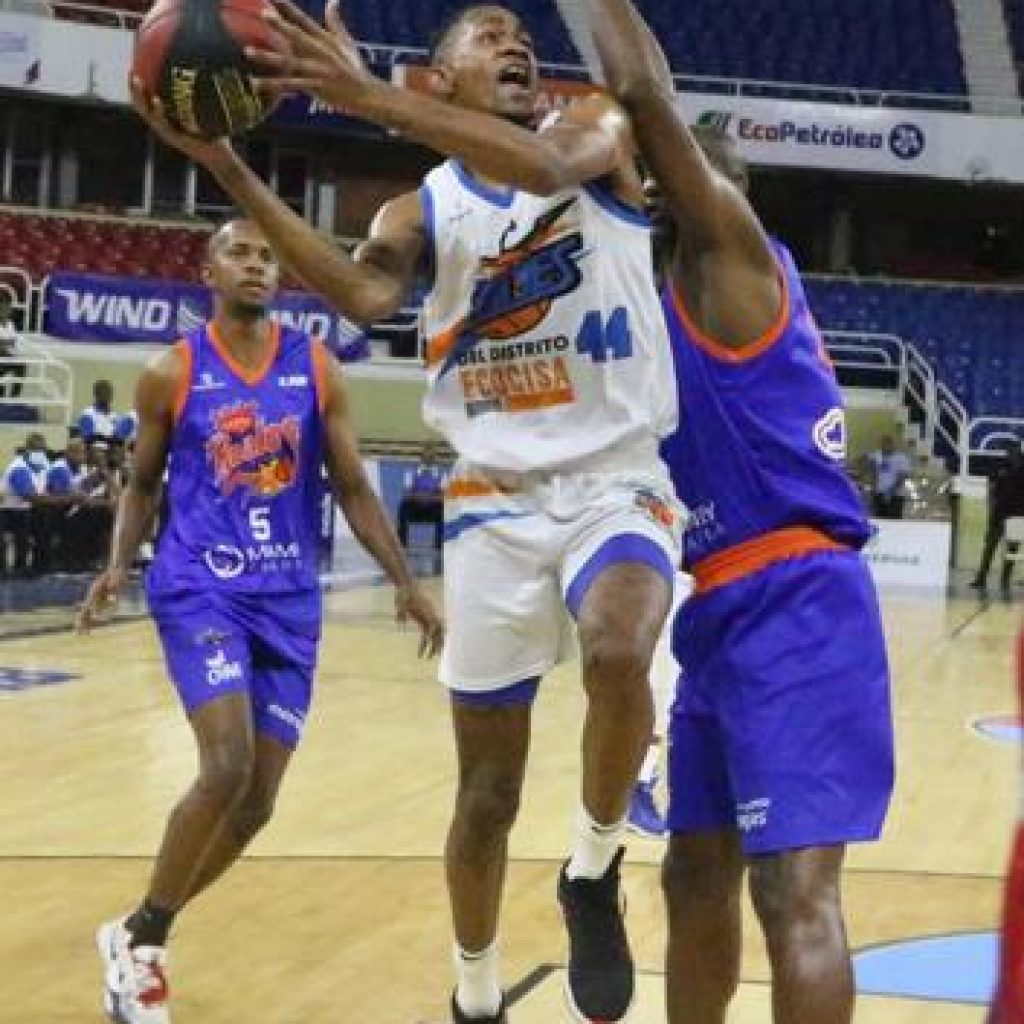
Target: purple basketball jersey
(761, 440)
(245, 472)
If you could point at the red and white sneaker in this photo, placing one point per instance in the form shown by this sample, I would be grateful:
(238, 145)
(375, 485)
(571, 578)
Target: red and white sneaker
(135, 984)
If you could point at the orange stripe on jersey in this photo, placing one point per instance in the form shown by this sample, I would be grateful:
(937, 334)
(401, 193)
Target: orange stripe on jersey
(252, 377)
(748, 351)
(319, 356)
(542, 400)
(753, 555)
(464, 488)
(439, 346)
(184, 385)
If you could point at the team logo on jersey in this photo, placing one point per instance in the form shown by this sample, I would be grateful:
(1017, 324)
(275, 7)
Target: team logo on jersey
(656, 507)
(830, 434)
(517, 287)
(246, 451)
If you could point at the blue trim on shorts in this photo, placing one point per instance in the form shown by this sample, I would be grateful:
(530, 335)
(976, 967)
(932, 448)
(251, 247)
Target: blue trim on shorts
(524, 692)
(454, 529)
(627, 547)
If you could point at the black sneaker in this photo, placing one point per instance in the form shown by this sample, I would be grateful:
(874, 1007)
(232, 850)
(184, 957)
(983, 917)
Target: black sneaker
(599, 985)
(458, 1017)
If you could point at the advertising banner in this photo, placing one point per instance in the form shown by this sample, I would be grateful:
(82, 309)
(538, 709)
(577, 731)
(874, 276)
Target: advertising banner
(909, 553)
(92, 307)
(880, 140)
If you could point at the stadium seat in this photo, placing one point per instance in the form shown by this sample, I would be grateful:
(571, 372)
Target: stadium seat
(970, 335)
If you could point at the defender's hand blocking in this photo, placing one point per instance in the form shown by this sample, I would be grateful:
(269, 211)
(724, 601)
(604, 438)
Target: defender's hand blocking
(101, 600)
(202, 151)
(324, 62)
(412, 603)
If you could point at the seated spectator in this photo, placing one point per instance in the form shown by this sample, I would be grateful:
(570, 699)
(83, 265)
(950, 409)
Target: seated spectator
(889, 474)
(423, 500)
(27, 507)
(83, 529)
(99, 420)
(11, 373)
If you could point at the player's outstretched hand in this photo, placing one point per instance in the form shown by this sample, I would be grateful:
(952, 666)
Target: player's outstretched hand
(412, 603)
(208, 152)
(101, 600)
(324, 62)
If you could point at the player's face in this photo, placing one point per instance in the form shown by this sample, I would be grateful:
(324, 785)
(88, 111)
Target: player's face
(242, 269)
(490, 65)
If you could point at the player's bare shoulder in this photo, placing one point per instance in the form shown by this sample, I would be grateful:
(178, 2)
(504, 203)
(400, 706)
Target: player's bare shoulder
(397, 239)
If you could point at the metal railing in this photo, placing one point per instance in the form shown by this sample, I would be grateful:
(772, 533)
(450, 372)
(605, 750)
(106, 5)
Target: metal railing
(33, 376)
(952, 426)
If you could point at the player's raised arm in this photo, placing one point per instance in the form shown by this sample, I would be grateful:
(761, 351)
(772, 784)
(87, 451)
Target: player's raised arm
(740, 296)
(587, 143)
(364, 289)
(156, 394)
(365, 514)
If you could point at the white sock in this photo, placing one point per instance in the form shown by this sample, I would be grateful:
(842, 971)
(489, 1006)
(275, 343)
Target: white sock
(477, 988)
(649, 769)
(595, 846)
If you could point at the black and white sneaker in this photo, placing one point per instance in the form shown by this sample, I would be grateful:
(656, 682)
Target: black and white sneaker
(599, 983)
(458, 1017)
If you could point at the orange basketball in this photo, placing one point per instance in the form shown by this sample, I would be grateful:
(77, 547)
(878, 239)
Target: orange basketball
(511, 325)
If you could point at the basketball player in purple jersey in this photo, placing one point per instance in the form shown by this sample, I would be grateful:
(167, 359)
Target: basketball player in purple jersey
(245, 413)
(532, 242)
(781, 737)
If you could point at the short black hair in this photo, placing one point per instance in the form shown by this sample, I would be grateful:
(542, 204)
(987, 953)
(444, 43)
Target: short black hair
(442, 36)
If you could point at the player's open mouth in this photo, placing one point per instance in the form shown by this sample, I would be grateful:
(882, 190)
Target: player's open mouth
(516, 74)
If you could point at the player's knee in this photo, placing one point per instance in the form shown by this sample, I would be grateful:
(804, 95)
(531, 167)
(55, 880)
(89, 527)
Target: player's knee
(487, 809)
(790, 902)
(611, 663)
(226, 774)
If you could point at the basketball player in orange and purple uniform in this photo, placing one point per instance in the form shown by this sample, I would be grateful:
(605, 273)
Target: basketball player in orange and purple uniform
(244, 413)
(781, 735)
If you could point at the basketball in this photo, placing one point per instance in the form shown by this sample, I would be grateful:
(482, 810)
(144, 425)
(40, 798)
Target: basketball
(190, 54)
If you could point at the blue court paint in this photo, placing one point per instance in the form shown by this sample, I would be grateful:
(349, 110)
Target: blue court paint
(999, 728)
(952, 968)
(14, 679)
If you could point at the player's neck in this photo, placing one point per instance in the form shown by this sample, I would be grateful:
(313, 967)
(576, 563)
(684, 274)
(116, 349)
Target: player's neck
(246, 338)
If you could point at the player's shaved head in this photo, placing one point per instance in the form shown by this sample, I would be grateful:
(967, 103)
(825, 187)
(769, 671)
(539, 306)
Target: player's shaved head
(448, 33)
(227, 231)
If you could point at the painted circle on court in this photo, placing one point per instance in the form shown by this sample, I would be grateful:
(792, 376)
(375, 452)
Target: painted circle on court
(951, 968)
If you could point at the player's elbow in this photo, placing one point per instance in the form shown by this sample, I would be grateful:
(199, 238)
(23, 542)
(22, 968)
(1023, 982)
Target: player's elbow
(636, 88)
(371, 304)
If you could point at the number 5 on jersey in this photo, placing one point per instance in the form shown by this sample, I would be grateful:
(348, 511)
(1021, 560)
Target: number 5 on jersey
(259, 524)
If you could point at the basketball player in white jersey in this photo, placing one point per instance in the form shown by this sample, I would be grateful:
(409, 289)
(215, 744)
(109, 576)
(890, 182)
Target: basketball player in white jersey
(550, 374)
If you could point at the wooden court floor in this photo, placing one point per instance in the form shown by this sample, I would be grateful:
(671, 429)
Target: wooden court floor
(338, 915)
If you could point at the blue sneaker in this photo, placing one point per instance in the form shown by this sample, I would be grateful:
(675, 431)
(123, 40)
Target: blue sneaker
(643, 816)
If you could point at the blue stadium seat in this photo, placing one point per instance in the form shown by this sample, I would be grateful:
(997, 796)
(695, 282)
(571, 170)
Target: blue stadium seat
(908, 45)
(971, 336)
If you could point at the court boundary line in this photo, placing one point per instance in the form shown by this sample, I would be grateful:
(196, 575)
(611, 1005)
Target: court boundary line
(956, 632)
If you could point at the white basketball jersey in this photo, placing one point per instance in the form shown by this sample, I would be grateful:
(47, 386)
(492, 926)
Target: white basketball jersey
(546, 345)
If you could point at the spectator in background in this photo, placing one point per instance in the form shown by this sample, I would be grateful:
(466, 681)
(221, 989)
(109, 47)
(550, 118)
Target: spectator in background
(889, 469)
(27, 507)
(83, 527)
(1005, 499)
(423, 500)
(99, 421)
(11, 373)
